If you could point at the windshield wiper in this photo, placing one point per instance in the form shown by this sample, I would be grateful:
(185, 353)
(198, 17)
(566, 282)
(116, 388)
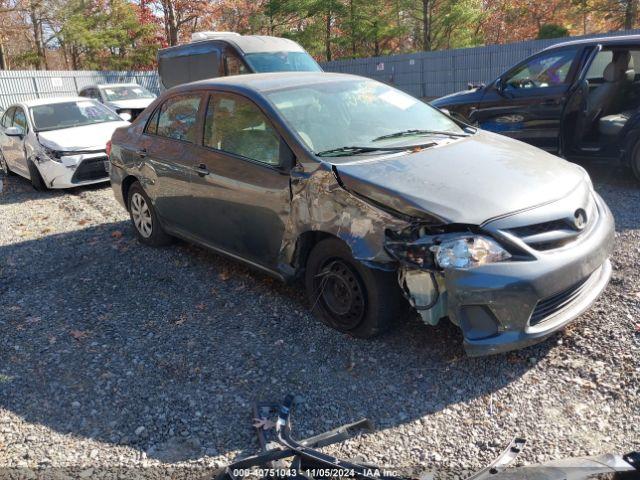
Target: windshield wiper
(347, 151)
(405, 133)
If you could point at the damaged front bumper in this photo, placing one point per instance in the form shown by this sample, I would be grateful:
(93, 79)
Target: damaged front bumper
(72, 169)
(507, 305)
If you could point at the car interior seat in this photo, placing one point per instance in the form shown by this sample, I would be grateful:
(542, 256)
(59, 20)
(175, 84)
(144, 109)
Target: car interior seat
(608, 97)
(610, 124)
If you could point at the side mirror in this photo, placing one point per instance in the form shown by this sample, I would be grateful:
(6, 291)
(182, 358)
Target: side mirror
(499, 86)
(287, 158)
(125, 116)
(16, 131)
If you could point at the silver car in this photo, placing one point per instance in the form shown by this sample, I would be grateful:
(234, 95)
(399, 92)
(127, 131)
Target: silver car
(376, 199)
(126, 99)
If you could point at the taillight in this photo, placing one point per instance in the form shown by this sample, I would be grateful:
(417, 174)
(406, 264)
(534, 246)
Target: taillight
(109, 148)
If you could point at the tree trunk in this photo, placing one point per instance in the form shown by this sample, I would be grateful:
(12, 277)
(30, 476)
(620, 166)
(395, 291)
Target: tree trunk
(37, 34)
(426, 25)
(3, 57)
(327, 38)
(352, 14)
(630, 14)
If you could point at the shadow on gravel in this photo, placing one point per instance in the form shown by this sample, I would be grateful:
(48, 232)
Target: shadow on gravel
(165, 349)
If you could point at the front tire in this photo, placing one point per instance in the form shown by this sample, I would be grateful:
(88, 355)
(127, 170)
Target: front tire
(4, 166)
(348, 296)
(36, 178)
(144, 218)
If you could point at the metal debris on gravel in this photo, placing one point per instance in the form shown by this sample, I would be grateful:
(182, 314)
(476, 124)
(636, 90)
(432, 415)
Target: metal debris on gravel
(113, 354)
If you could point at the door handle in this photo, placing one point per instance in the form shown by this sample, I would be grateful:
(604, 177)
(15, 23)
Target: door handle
(202, 170)
(142, 152)
(552, 101)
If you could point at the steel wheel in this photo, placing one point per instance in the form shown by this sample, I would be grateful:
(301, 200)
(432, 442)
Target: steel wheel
(141, 215)
(342, 294)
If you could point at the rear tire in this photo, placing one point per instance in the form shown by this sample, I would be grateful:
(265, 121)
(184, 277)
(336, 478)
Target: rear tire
(144, 218)
(36, 178)
(348, 296)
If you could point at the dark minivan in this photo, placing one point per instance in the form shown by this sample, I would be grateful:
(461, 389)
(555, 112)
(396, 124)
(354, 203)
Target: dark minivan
(218, 54)
(578, 99)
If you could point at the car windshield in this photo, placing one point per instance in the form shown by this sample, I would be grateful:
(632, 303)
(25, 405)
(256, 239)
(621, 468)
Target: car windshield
(71, 114)
(126, 92)
(282, 62)
(363, 113)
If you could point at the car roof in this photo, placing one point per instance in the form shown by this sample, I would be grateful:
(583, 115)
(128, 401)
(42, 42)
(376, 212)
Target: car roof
(51, 100)
(246, 44)
(264, 82)
(618, 40)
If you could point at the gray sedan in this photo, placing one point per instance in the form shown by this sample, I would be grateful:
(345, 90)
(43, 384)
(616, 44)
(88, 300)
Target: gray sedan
(377, 200)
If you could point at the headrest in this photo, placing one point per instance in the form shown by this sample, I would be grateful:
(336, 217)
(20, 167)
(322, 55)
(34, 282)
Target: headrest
(630, 72)
(618, 67)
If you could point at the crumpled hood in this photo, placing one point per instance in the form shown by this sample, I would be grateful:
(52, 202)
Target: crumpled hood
(134, 104)
(87, 137)
(469, 181)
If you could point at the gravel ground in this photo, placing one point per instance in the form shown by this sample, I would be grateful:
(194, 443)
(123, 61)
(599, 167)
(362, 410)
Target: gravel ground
(116, 354)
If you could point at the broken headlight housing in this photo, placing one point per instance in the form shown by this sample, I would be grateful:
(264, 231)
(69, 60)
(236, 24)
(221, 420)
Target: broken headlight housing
(468, 251)
(54, 155)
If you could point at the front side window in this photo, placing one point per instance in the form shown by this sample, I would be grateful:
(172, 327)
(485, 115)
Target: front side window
(282, 62)
(7, 118)
(236, 125)
(358, 112)
(71, 114)
(20, 119)
(178, 118)
(543, 71)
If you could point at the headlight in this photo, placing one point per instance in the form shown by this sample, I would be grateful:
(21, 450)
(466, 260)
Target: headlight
(468, 251)
(53, 154)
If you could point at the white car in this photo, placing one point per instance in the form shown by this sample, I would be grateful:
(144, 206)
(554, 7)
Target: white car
(124, 98)
(58, 142)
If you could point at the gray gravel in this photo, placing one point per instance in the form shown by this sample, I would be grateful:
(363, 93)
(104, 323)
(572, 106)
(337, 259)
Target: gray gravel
(116, 354)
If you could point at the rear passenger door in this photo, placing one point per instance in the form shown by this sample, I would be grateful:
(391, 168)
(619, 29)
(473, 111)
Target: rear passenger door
(241, 191)
(167, 149)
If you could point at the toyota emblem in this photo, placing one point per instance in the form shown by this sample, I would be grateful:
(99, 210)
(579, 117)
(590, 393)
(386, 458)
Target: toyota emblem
(580, 219)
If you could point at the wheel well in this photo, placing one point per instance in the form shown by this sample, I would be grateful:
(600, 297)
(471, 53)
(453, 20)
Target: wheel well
(126, 185)
(305, 243)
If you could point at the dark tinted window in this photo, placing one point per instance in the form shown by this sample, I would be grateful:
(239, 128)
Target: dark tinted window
(179, 118)
(20, 119)
(236, 125)
(189, 63)
(7, 118)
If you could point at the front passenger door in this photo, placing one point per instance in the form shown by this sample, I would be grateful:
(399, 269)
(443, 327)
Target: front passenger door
(241, 191)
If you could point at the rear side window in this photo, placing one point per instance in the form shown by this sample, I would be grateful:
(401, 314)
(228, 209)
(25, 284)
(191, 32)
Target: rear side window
(236, 125)
(178, 118)
(234, 65)
(20, 119)
(7, 118)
